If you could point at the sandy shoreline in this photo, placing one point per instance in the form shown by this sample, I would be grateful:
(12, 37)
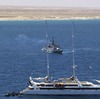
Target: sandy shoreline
(13, 13)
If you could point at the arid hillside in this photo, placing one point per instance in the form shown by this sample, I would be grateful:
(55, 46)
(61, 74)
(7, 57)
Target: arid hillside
(40, 13)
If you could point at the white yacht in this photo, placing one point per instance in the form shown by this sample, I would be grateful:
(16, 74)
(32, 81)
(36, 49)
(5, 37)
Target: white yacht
(62, 86)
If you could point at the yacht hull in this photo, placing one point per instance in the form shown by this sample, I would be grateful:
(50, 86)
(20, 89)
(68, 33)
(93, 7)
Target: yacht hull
(63, 92)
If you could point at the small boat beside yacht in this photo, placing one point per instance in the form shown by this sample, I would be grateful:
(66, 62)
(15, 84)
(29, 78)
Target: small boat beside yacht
(61, 86)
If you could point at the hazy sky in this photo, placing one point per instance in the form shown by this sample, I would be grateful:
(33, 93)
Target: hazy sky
(56, 3)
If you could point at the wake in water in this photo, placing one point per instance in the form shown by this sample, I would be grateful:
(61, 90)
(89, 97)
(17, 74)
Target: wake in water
(67, 51)
(89, 49)
(82, 49)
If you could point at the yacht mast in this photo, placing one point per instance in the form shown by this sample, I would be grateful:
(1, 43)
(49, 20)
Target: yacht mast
(73, 49)
(48, 72)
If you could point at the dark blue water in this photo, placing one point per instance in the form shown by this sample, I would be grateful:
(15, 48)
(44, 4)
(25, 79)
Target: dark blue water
(21, 55)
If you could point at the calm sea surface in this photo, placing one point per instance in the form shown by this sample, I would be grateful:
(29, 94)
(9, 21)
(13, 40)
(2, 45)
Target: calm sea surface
(21, 55)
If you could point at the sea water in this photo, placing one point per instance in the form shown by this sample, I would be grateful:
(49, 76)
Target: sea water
(21, 55)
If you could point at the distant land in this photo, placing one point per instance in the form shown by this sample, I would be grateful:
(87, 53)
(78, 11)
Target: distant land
(47, 13)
